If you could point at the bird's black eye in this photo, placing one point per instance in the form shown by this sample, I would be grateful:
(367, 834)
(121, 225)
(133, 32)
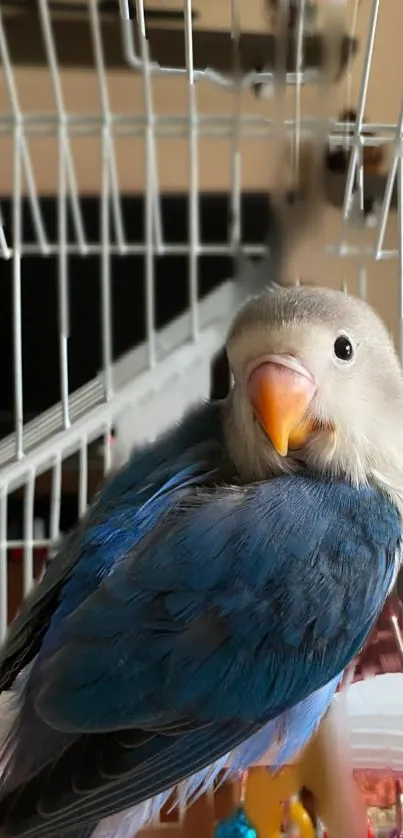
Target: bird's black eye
(343, 348)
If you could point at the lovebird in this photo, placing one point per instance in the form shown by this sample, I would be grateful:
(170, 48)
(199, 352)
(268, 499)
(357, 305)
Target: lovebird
(204, 610)
(202, 613)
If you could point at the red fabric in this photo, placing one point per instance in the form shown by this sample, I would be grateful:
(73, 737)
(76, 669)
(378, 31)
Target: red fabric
(16, 554)
(376, 788)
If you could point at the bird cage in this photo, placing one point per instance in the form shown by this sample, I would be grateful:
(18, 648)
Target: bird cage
(135, 148)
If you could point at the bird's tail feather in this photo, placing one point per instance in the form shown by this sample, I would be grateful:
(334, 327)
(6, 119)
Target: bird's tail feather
(9, 707)
(278, 742)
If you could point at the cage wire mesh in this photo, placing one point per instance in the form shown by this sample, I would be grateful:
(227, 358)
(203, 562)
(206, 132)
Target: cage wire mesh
(111, 128)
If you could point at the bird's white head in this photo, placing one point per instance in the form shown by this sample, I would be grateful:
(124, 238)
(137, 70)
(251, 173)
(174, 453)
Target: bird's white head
(316, 382)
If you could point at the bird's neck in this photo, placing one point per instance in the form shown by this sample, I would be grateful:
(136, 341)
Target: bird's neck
(344, 456)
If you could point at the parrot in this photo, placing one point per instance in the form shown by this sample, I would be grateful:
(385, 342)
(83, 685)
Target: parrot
(203, 611)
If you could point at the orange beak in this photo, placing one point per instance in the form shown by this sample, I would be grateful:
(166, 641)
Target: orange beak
(281, 390)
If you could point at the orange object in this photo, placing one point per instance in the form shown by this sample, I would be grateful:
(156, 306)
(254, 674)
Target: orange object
(264, 798)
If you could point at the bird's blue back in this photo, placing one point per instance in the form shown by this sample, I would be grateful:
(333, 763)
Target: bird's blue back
(137, 498)
(224, 566)
(185, 453)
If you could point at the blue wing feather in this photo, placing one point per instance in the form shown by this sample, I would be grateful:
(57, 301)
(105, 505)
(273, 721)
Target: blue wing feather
(199, 613)
(155, 468)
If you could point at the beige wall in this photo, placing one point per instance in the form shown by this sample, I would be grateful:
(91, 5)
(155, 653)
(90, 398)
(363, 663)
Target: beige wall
(170, 98)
